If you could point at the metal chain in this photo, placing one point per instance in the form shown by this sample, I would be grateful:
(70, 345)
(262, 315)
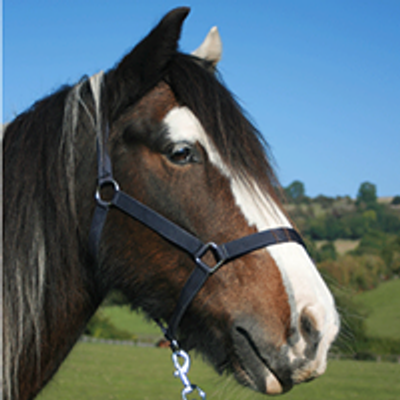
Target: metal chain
(182, 371)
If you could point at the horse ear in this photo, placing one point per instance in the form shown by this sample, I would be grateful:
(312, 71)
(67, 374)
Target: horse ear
(211, 49)
(143, 67)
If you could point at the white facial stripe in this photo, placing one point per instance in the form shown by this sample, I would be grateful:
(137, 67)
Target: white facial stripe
(184, 126)
(257, 207)
(303, 284)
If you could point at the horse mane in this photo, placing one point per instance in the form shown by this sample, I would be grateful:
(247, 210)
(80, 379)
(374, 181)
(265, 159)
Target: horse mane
(42, 249)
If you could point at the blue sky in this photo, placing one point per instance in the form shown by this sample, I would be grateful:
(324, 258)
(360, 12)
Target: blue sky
(319, 78)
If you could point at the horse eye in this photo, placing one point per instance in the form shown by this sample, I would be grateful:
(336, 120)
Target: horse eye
(181, 153)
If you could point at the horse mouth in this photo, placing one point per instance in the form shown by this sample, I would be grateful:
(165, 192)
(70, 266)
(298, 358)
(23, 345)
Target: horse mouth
(253, 369)
(270, 385)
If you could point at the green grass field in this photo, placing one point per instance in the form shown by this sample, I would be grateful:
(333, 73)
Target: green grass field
(383, 305)
(99, 371)
(104, 372)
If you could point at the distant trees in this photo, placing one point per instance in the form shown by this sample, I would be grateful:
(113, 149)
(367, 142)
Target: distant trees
(295, 192)
(367, 195)
(384, 246)
(326, 252)
(327, 218)
(396, 200)
(355, 272)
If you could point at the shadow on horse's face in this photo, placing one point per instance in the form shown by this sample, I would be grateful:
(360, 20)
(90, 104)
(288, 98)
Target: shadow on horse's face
(267, 316)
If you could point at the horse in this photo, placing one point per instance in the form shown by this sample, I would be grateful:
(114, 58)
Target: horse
(179, 144)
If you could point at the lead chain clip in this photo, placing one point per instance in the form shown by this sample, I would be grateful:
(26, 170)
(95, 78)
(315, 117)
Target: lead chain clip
(182, 371)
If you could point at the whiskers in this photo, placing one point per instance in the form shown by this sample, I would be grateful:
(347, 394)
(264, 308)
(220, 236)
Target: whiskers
(352, 318)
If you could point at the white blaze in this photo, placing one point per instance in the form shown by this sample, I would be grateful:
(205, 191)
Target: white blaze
(304, 285)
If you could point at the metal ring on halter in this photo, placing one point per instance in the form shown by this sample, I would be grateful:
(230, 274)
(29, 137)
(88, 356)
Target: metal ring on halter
(102, 185)
(216, 252)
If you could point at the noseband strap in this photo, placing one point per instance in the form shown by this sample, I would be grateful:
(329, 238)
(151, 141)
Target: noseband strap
(176, 235)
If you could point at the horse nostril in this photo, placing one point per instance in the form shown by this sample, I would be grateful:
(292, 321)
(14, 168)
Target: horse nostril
(308, 327)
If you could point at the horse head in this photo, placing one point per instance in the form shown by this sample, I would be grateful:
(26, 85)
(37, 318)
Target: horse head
(180, 144)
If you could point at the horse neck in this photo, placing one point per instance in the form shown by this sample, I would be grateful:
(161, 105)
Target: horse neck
(66, 324)
(48, 301)
(43, 324)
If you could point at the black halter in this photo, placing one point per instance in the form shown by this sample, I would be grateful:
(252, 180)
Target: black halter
(173, 233)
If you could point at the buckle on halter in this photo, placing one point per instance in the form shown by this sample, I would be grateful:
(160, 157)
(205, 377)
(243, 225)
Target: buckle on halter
(106, 191)
(216, 252)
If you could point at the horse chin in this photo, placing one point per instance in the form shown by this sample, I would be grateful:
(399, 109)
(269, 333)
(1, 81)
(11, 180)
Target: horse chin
(253, 369)
(261, 380)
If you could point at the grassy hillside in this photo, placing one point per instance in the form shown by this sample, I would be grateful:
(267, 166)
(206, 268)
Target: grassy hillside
(130, 323)
(102, 372)
(383, 305)
(123, 318)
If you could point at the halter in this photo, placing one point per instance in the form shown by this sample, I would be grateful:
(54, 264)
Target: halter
(180, 238)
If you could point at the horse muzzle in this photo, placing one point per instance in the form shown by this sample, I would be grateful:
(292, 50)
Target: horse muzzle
(268, 364)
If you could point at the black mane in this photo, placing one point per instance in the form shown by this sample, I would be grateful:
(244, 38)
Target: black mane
(43, 254)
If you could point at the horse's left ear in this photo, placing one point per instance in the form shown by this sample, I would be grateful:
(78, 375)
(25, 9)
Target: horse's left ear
(211, 49)
(143, 67)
